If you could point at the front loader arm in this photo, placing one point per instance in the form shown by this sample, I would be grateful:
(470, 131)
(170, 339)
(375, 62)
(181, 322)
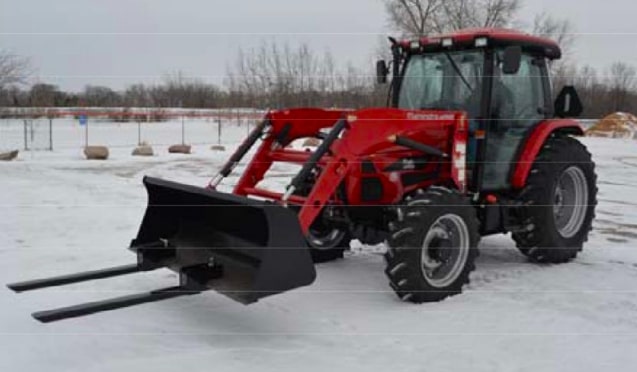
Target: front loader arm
(284, 127)
(332, 174)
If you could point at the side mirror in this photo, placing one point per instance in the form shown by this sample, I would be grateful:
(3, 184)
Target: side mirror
(512, 60)
(568, 103)
(381, 72)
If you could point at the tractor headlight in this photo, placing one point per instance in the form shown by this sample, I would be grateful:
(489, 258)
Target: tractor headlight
(414, 45)
(482, 42)
(447, 43)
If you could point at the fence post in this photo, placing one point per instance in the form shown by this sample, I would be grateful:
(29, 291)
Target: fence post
(218, 131)
(183, 130)
(139, 133)
(50, 134)
(86, 133)
(26, 138)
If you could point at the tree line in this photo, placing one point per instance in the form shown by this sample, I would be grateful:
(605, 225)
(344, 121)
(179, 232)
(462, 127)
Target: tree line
(271, 76)
(276, 75)
(172, 92)
(613, 90)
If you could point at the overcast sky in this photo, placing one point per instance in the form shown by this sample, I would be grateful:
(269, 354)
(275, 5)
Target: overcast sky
(117, 42)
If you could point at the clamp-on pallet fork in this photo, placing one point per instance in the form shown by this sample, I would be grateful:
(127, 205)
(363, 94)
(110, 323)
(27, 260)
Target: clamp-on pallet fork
(192, 281)
(244, 248)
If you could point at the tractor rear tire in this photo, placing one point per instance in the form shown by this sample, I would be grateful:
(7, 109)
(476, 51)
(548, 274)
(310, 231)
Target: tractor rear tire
(433, 246)
(559, 202)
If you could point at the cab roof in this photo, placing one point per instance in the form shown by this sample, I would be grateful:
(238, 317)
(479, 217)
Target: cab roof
(498, 37)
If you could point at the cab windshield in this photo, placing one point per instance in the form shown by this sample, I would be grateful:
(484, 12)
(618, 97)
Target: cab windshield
(443, 81)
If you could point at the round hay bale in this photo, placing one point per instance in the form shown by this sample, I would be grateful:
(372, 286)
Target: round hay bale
(179, 149)
(8, 156)
(96, 152)
(312, 142)
(143, 150)
(218, 148)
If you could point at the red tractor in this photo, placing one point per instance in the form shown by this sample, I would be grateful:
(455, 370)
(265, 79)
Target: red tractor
(471, 145)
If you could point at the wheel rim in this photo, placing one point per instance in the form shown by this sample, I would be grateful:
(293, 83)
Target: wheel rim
(445, 250)
(327, 238)
(570, 202)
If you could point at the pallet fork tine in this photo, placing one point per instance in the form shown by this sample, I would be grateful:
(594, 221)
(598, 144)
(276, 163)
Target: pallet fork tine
(48, 316)
(193, 280)
(74, 278)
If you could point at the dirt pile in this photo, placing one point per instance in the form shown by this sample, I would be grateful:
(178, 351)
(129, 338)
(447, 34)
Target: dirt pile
(617, 125)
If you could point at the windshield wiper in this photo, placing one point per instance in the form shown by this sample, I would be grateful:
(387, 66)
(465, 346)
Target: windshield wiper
(455, 67)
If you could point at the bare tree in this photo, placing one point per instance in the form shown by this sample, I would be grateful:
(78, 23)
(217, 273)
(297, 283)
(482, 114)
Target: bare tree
(413, 17)
(459, 14)
(423, 17)
(13, 69)
(99, 96)
(497, 13)
(560, 30)
(282, 76)
(592, 92)
(621, 82)
(136, 95)
(43, 95)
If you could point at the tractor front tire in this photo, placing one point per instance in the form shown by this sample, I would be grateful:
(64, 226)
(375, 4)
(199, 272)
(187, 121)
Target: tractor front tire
(558, 202)
(433, 246)
(327, 246)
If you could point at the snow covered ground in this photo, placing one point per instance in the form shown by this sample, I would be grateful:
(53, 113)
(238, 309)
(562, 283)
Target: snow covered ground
(61, 214)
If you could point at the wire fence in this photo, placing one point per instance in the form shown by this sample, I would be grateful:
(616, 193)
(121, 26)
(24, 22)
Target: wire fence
(55, 130)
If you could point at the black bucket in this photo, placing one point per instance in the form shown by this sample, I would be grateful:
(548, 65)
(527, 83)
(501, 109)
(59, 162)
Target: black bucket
(258, 246)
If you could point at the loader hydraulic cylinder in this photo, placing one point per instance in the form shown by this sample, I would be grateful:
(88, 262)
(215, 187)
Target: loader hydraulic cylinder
(414, 145)
(239, 154)
(313, 161)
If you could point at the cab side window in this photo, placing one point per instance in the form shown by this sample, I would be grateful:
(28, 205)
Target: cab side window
(519, 98)
(518, 104)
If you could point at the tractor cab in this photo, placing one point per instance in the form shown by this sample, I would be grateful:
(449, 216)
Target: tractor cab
(500, 78)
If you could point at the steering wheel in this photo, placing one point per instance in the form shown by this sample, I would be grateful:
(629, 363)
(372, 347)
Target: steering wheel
(524, 112)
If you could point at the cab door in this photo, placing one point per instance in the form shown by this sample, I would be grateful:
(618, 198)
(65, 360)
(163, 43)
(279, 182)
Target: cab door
(518, 103)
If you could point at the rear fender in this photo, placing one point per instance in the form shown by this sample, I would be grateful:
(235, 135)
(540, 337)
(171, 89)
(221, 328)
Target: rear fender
(534, 143)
